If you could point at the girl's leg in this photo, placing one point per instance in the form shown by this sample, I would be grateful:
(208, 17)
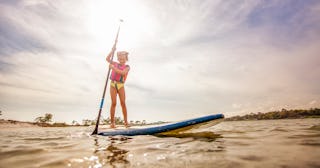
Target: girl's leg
(122, 97)
(113, 95)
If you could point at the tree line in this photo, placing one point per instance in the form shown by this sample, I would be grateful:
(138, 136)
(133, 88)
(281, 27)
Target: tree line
(46, 120)
(283, 114)
(107, 121)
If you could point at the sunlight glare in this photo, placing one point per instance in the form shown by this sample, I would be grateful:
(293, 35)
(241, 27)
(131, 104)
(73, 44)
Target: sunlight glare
(103, 22)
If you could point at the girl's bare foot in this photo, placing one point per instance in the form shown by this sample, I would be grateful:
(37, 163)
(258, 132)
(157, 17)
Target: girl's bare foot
(112, 126)
(126, 125)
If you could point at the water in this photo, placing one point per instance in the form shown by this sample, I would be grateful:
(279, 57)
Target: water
(273, 143)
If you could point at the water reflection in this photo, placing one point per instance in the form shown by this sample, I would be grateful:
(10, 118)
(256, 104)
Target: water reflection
(203, 136)
(110, 154)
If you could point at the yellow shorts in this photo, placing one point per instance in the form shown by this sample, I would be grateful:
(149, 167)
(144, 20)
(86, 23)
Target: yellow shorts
(117, 85)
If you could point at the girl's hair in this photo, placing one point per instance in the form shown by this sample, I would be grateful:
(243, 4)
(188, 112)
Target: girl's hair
(123, 53)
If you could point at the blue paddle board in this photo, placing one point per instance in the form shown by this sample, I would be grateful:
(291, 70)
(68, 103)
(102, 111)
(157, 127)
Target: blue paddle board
(206, 121)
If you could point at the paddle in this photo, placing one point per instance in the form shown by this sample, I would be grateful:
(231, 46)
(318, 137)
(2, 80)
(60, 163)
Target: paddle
(107, 80)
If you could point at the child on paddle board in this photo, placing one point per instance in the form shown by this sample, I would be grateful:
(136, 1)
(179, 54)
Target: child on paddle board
(118, 77)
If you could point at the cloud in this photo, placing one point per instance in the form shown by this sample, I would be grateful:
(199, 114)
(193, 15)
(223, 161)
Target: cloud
(13, 40)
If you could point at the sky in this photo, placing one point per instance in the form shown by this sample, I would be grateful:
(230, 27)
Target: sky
(188, 58)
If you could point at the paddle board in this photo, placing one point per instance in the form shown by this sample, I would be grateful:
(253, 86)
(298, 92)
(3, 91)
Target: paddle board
(201, 122)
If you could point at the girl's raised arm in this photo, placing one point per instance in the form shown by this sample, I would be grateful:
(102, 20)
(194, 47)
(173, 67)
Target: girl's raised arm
(110, 54)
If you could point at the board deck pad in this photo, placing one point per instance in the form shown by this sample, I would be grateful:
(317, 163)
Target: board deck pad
(172, 128)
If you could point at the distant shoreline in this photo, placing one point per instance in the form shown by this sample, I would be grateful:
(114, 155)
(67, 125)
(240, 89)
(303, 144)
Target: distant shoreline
(283, 114)
(228, 119)
(22, 124)
(274, 115)
(17, 124)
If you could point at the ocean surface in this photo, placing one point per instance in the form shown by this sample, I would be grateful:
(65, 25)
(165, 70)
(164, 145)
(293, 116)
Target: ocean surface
(268, 143)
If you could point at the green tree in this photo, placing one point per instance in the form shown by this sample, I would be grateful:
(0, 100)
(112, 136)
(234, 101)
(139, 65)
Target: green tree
(93, 122)
(118, 120)
(47, 118)
(39, 120)
(138, 122)
(74, 122)
(86, 122)
(106, 121)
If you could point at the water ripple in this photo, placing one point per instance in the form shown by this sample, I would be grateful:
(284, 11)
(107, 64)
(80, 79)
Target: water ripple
(252, 158)
(44, 139)
(17, 152)
(280, 143)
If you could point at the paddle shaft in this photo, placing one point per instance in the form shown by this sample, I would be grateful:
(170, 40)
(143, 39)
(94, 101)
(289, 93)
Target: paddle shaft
(106, 84)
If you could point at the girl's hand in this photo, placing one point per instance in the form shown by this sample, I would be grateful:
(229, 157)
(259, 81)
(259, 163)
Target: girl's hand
(111, 66)
(113, 49)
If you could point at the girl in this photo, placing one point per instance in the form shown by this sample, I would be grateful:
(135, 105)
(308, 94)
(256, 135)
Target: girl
(118, 77)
